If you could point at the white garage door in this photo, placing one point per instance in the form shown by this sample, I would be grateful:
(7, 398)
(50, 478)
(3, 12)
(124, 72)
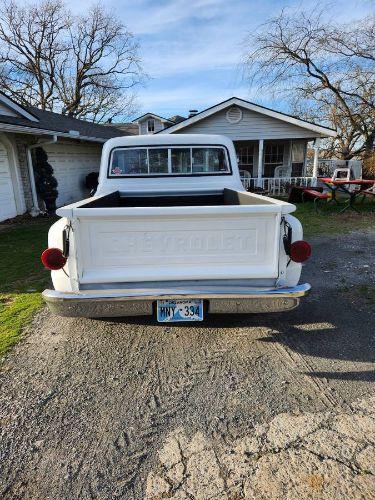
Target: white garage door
(71, 163)
(7, 201)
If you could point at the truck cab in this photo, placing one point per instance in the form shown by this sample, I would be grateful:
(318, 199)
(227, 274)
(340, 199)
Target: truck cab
(171, 232)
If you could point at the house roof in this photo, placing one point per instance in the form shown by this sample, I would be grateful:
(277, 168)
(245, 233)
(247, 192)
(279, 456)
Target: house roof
(319, 129)
(12, 105)
(36, 121)
(177, 118)
(172, 120)
(127, 128)
(151, 115)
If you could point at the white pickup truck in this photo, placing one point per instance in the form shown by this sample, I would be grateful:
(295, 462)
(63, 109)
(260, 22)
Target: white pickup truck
(171, 232)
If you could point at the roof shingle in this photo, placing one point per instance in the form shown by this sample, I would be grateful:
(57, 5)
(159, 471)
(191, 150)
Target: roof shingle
(55, 122)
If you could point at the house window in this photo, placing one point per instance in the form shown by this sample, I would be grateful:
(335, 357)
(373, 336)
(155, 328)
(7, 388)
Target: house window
(246, 158)
(298, 158)
(273, 157)
(150, 126)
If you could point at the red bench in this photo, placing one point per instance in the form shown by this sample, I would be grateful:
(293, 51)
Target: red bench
(315, 195)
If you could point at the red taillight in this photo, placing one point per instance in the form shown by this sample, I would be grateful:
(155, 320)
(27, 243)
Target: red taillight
(53, 259)
(300, 251)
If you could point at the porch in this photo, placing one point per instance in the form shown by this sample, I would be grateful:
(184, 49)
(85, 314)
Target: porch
(272, 165)
(276, 186)
(275, 166)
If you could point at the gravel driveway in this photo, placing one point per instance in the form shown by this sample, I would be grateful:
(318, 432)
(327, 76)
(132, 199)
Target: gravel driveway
(239, 407)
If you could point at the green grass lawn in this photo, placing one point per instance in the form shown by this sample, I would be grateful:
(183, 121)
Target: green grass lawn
(22, 277)
(333, 222)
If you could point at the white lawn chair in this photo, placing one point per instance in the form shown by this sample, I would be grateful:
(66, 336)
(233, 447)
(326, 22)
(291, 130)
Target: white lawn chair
(245, 174)
(283, 171)
(342, 174)
(245, 178)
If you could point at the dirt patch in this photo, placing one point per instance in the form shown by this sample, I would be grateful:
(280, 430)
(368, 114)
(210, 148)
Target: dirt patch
(309, 455)
(6, 300)
(20, 220)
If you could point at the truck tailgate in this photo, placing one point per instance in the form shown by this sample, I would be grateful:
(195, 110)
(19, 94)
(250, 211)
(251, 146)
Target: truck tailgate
(181, 243)
(177, 243)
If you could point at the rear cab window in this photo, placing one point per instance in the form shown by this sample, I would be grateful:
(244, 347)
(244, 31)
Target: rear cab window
(169, 161)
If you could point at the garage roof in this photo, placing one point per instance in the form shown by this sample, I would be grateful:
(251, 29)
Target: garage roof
(16, 118)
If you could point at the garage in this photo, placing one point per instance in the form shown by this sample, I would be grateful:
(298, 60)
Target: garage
(73, 148)
(71, 163)
(8, 207)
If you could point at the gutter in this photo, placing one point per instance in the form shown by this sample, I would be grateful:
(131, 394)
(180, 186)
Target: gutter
(35, 210)
(21, 129)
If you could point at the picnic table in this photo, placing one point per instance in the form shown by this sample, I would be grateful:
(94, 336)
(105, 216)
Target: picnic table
(344, 186)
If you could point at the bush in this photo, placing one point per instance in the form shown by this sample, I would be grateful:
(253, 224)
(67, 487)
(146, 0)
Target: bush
(46, 184)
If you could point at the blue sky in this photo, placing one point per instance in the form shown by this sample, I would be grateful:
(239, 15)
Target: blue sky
(192, 49)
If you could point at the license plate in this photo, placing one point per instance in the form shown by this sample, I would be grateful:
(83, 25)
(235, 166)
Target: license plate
(170, 311)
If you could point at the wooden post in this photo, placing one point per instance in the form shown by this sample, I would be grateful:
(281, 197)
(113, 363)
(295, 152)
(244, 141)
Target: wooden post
(316, 161)
(260, 164)
(290, 157)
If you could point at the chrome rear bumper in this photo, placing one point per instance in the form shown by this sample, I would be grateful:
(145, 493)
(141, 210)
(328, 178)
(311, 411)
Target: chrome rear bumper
(111, 303)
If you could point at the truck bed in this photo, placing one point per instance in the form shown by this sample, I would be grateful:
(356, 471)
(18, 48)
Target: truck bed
(159, 237)
(227, 197)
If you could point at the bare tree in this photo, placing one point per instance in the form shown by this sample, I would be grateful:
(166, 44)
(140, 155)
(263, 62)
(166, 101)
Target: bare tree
(349, 141)
(106, 63)
(85, 67)
(328, 68)
(32, 42)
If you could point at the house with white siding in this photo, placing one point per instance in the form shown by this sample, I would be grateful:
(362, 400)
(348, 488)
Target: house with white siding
(271, 146)
(149, 123)
(73, 148)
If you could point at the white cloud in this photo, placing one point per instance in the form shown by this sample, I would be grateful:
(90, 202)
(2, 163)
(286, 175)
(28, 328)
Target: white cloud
(190, 61)
(198, 45)
(154, 18)
(180, 99)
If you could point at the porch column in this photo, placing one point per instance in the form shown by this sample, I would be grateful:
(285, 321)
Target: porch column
(260, 164)
(316, 161)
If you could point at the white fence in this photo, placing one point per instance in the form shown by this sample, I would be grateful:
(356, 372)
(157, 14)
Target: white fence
(326, 167)
(280, 186)
(276, 186)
